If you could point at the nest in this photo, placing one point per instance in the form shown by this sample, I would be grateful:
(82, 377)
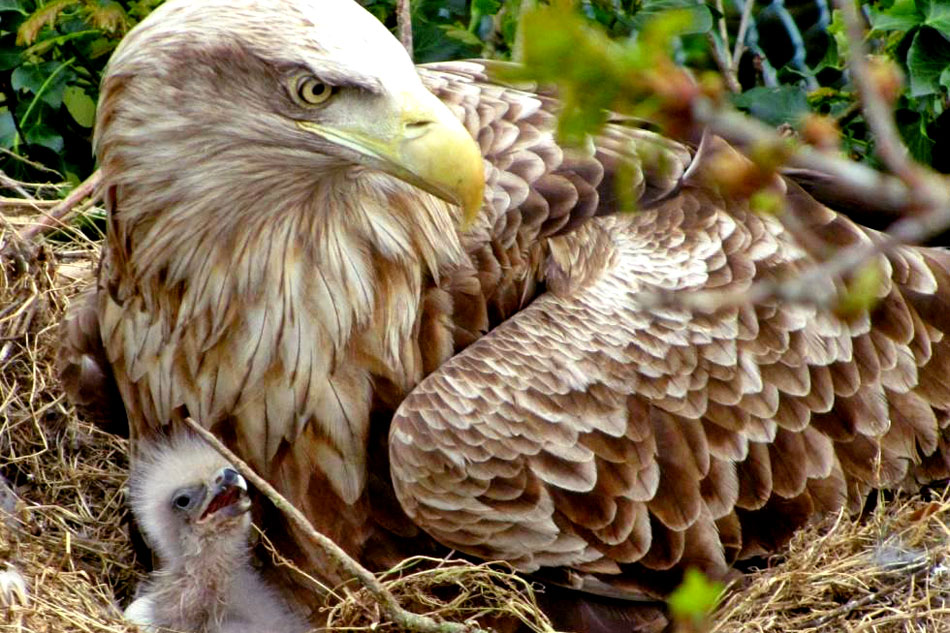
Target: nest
(63, 527)
(66, 529)
(887, 573)
(447, 590)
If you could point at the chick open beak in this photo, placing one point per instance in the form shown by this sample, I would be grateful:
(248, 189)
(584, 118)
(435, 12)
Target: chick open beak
(229, 496)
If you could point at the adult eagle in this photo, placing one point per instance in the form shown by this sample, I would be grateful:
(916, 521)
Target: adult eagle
(286, 261)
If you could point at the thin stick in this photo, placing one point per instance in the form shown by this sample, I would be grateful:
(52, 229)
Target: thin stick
(721, 53)
(404, 24)
(740, 36)
(54, 218)
(723, 29)
(721, 56)
(387, 602)
(877, 112)
(864, 183)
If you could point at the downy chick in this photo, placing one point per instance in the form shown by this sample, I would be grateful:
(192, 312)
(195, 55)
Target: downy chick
(193, 508)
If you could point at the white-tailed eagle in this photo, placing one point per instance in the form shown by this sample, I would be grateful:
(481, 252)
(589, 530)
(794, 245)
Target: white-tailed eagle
(390, 290)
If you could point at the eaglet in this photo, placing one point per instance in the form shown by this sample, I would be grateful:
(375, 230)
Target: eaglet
(194, 510)
(391, 291)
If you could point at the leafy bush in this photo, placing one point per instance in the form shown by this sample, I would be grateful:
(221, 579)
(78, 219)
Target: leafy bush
(52, 55)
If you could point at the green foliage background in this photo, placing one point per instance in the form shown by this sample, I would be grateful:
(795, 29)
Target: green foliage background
(52, 55)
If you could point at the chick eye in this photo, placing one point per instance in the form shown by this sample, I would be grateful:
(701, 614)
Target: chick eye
(311, 91)
(181, 501)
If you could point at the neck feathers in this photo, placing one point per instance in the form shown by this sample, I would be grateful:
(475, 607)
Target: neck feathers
(273, 308)
(195, 592)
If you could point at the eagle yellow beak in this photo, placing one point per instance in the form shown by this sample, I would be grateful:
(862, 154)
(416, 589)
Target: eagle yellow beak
(418, 141)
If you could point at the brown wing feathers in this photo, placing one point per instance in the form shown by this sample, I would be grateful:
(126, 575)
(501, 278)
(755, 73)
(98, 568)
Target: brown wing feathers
(681, 438)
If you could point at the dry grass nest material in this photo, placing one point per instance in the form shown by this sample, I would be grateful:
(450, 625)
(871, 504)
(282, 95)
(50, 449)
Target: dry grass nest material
(65, 528)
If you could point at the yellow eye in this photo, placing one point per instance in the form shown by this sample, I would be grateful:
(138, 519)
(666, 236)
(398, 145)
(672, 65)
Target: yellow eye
(312, 91)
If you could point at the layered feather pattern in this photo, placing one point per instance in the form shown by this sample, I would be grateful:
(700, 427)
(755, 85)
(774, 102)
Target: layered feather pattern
(551, 410)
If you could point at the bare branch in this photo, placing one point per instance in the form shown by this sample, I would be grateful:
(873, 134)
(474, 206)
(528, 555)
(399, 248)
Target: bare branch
(54, 219)
(404, 24)
(723, 31)
(740, 36)
(387, 602)
(721, 56)
(887, 142)
(862, 182)
(924, 216)
(720, 51)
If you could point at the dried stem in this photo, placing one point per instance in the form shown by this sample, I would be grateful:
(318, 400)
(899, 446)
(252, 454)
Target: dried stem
(387, 602)
(877, 112)
(404, 24)
(721, 56)
(740, 36)
(54, 219)
(931, 218)
(922, 198)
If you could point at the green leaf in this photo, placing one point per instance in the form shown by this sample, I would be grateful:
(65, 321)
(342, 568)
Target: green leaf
(913, 130)
(44, 136)
(783, 104)
(936, 14)
(462, 35)
(699, 20)
(862, 291)
(927, 59)
(13, 5)
(838, 33)
(46, 80)
(485, 7)
(26, 77)
(80, 106)
(8, 133)
(10, 57)
(695, 598)
(902, 16)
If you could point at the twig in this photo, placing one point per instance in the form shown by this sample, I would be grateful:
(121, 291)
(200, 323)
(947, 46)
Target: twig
(740, 36)
(721, 56)
(863, 182)
(720, 53)
(26, 202)
(919, 570)
(877, 112)
(404, 24)
(53, 219)
(922, 197)
(27, 161)
(386, 600)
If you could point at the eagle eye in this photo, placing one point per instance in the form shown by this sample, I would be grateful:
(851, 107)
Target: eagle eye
(182, 500)
(310, 91)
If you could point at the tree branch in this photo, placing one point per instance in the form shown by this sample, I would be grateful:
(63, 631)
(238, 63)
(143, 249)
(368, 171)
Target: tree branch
(877, 111)
(53, 219)
(866, 184)
(404, 24)
(924, 215)
(721, 56)
(720, 51)
(387, 602)
(740, 36)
